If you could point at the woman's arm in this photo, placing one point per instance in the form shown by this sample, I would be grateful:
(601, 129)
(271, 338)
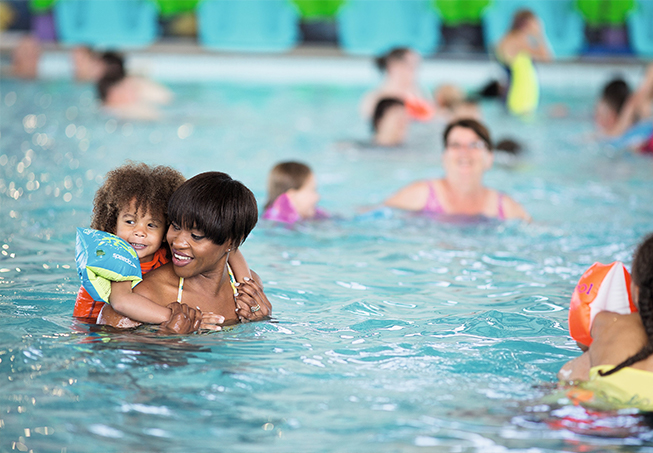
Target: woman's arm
(514, 210)
(411, 198)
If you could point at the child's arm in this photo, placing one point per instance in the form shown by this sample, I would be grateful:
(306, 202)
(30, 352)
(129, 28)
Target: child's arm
(135, 306)
(239, 266)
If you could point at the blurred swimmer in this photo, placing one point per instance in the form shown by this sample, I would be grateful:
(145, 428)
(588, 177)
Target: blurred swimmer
(400, 66)
(466, 157)
(525, 35)
(25, 58)
(292, 194)
(132, 97)
(390, 122)
(507, 152)
(523, 44)
(446, 98)
(618, 110)
(91, 66)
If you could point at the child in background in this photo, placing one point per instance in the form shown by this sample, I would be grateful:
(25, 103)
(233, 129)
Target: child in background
(619, 362)
(390, 122)
(133, 204)
(292, 194)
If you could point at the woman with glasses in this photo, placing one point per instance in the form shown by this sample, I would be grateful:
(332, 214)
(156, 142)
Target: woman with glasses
(467, 156)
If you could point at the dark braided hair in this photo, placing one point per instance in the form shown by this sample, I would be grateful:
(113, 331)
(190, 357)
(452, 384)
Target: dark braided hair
(643, 278)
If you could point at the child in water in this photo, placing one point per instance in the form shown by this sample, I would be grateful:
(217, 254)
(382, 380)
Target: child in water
(292, 194)
(133, 204)
(619, 362)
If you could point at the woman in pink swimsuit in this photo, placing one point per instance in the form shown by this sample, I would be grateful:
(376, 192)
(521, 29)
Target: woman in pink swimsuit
(466, 157)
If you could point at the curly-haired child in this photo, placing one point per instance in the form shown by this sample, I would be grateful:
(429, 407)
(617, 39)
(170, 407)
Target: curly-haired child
(133, 204)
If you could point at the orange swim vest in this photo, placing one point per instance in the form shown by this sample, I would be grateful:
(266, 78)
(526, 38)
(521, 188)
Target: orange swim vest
(419, 109)
(89, 309)
(603, 287)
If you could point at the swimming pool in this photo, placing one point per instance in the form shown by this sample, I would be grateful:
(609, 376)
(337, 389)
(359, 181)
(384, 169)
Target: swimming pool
(393, 334)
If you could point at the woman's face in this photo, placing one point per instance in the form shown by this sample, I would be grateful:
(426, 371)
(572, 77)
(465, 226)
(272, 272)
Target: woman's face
(194, 254)
(305, 198)
(466, 155)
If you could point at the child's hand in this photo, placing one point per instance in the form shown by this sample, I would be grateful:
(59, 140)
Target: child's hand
(183, 319)
(211, 321)
(251, 302)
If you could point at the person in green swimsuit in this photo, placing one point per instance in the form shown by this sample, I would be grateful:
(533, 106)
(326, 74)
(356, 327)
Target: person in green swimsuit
(211, 215)
(619, 362)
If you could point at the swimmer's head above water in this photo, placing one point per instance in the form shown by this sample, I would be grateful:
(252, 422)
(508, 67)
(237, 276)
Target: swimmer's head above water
(400, 64)
(390, 122)
(216, 206)
(296, 181)
(91, 66)
(613, 98)
(133, 204)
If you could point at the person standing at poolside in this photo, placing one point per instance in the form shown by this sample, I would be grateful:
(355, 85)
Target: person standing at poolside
(525, 35)
(466, 157)
(211, 215)
(524, 43)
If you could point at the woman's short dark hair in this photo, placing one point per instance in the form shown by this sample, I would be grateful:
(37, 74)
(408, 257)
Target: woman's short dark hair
(222, 208)
(381, 107)
(472, 124)
(398, 53)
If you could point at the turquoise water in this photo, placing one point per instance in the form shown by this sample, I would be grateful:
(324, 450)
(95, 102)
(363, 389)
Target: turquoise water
(394, 334)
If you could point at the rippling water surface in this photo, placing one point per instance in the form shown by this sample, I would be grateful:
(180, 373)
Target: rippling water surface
(391, 333)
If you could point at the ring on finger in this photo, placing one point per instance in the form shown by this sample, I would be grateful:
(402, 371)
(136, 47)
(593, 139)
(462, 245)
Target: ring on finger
(255, 308)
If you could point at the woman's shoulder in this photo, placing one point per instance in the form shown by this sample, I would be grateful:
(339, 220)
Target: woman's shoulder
(412, 197)
(159, 280)
(511, 209)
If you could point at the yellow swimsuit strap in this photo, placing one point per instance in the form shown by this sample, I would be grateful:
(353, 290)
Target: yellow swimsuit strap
(181, 289)
(232, 281)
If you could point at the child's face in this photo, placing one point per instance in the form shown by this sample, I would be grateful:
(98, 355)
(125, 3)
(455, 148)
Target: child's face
(143, 231)
(392, 127)
(305, 198)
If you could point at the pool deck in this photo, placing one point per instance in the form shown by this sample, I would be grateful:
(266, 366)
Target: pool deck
(182, 60)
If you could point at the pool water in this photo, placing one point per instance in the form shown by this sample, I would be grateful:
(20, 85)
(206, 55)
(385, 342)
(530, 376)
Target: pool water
(391, 333)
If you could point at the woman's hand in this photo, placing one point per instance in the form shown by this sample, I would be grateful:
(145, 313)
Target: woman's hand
(183, 320)
(211, 321)
(251, 302)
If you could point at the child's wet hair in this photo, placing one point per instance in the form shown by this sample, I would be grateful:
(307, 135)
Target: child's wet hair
(642, 274)
(150, 187)
(285, 176)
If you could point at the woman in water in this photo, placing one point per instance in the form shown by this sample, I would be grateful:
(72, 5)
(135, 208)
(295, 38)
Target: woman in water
(211, 215)
(400, 66)
(467, 156)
